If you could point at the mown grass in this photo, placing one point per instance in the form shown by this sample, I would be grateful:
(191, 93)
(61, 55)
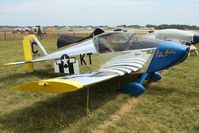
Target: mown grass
(170, 105)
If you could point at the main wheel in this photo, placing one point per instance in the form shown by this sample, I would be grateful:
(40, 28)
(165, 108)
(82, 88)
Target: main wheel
(155, 76)
(133, 88)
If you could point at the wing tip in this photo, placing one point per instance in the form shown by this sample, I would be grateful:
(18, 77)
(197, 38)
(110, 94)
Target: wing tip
(51, 86)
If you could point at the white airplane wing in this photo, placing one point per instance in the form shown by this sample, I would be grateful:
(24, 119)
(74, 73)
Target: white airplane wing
(153, 36)
(111, 69)
(150, 35)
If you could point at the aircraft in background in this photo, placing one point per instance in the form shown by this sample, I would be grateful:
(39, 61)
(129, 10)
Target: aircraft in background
(184, 37)
(103, 57)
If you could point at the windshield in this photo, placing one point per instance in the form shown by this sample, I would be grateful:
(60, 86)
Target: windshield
(122, 41)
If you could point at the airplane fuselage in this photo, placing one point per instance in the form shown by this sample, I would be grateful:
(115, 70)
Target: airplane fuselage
(87, 57)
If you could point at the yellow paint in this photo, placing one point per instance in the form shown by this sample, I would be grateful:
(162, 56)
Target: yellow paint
(52, 86)
(28, 51)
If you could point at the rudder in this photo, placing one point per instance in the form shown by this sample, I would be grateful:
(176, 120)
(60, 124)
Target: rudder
(32, 50)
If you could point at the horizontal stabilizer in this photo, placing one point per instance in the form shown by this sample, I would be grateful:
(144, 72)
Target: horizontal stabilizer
(56, 85)
(16, 63)
(25, 62)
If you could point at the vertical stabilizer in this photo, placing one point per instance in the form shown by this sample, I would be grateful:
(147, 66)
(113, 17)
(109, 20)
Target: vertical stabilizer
(32, 50)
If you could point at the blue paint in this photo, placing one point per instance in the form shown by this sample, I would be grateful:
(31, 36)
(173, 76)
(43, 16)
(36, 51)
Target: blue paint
(168, 54)
(142, 78)
(133, 88)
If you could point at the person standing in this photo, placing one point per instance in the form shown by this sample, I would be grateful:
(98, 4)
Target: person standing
(39, 31)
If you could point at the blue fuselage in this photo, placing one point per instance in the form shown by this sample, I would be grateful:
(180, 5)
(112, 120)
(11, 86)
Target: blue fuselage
(168, 54)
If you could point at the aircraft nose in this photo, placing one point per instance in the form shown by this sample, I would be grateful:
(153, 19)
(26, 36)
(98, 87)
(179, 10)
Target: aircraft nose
(168, 54)
(183, 53)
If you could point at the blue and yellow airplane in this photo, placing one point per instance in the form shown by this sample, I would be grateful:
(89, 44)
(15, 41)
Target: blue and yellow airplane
(103, 57)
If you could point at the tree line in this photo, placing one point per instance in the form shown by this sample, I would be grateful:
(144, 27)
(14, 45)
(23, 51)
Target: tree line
(173, 26)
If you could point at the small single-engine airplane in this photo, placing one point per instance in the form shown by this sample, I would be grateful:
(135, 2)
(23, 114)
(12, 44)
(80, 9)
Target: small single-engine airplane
(105, 56)
(184, 37)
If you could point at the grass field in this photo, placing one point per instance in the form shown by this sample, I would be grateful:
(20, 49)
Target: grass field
(170, 105)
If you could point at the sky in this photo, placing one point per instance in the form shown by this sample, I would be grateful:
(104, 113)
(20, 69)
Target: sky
(98, 12)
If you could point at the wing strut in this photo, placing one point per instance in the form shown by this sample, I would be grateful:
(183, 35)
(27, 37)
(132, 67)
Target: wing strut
(87, 100)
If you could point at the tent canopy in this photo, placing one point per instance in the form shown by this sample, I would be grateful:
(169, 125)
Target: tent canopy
(65, 40)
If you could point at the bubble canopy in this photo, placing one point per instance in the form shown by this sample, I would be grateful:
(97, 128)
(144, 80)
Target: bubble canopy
(122, 41)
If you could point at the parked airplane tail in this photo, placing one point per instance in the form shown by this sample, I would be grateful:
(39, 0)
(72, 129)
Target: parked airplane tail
(32, 50)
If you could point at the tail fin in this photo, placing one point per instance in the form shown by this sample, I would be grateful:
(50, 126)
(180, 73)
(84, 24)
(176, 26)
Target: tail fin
(32, 50)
